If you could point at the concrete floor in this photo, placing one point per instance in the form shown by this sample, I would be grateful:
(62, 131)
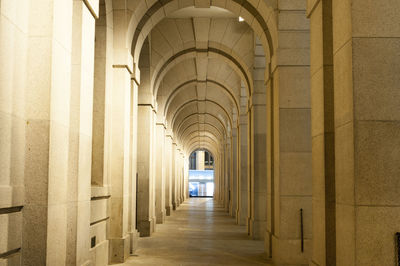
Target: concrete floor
(200, 232)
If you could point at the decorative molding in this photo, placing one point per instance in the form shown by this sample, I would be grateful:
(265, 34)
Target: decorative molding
(100, 197)
(91, 10)
(124, 66)
(9, 253)
(11, 209)
(99, 221)
(136, 82)
(161, 124)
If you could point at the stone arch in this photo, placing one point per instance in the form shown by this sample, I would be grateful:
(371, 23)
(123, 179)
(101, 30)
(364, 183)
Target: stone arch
(195, 101)
(183, 86)
(146, 16)
(232, 60)
(206, 114)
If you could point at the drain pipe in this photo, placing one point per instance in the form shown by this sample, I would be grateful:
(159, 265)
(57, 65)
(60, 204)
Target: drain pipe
(397, 238)
(302, 231)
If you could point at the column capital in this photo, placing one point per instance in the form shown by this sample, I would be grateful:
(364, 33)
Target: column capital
(161, 125)
(123, 59)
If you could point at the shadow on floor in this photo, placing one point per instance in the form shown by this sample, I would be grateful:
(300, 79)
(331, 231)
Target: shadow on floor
(200, 232)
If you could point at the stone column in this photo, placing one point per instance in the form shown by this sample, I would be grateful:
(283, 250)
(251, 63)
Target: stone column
(235, 170)
(168, 174)
(133, 232)
(81, 209)
(322, 130)
(177, 176)
(173, 177)
(227, 175)
(292, 138)
(14, 37)
(176, 173)
(258, 196)
(216, 176)
(145, 172)
(160, 173)
(241, 215)
(118, 129)
(120, 164)
(200, 160)
(221, 174)
(41, 114)
(366, 56)
(182, 198)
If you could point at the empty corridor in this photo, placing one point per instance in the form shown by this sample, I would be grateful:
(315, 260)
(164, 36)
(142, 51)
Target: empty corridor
(199, 232)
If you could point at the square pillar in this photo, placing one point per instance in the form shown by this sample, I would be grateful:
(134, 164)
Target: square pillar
(241, 216)
(173, 175)
(366, 56)
(258, 187)
(160, 173)
(46, 143)
(146, 194)
(292, 176)
(235, 170)
(168, 175)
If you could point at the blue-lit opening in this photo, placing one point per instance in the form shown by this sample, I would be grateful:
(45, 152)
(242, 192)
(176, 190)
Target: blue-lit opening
(201, 183)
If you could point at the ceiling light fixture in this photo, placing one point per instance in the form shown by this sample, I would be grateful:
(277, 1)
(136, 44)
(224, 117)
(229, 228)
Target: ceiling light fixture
(241, 19)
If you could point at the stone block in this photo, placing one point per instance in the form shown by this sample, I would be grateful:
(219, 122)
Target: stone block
(375, 18)
(292, 5)
(290, 217)
(288, 252)
(12, 260)
(293, 20)
(376, 95)
(295, 130)
(295, 173)
(99, 254)
(119, 249)
(10, 231)
(294, 87)
(293, 57)
(98, 210)
(377, 156)
(375, 232)
(344, 164)
(345, 235)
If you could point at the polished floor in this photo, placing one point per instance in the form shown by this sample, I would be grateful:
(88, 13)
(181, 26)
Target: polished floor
(200, 232)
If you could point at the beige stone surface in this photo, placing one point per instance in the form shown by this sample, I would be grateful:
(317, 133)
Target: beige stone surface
(199, 229)
(298, 104)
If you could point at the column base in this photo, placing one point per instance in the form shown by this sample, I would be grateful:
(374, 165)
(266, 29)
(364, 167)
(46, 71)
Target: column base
(174, 206)
(241, 219)
(288, 251)
(257, 229)
(160, 219)
(146, 228)
(98, 254)
(119, 249)
(268, 244)
(134, 241)
(168, 211)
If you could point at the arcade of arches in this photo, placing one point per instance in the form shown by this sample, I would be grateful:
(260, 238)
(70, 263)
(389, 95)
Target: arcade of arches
(103, 101)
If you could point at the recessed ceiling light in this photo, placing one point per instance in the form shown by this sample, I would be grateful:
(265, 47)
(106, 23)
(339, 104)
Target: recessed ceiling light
(241, 19)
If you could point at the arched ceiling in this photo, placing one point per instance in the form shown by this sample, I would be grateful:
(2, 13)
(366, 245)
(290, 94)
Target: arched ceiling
(201, 63)
(258, 14)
